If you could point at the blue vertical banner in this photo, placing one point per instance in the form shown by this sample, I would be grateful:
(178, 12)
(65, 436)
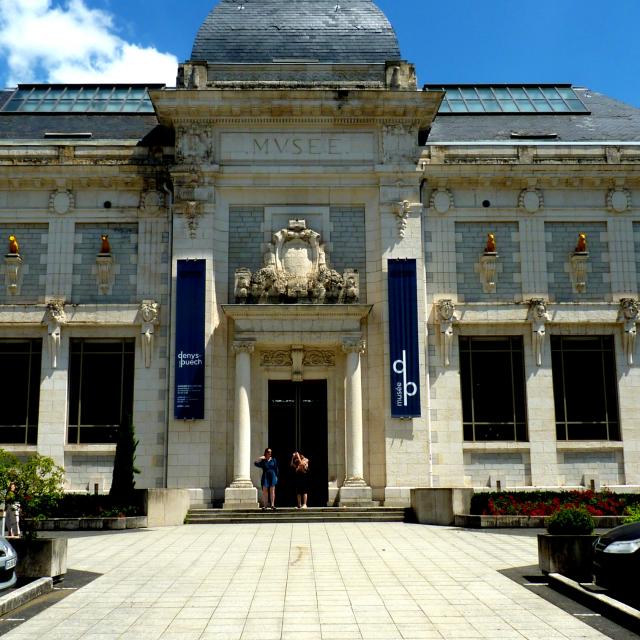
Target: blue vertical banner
(189, 347)
(403, 339)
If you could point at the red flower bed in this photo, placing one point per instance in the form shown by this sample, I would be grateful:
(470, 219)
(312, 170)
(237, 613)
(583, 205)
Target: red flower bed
(540, 503)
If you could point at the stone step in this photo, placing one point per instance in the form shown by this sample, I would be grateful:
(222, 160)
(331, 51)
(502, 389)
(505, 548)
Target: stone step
(286, 515)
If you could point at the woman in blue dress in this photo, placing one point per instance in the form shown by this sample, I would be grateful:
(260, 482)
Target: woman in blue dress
(270, 472)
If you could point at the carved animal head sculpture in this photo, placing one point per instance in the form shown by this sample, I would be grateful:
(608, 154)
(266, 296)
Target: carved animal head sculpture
(14, 247)
(491, 244)
(105, 247)
(581, 247)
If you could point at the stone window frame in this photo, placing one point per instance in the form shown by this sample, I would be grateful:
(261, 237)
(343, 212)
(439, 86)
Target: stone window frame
(611, 424)
(30, 410)
(81, 379)
(473, 429)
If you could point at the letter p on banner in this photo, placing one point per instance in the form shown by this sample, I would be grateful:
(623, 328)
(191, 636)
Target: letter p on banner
(403, 339)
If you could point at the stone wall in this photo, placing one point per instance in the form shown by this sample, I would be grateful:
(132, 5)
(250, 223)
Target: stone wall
(124, 249)
(484, 469)
(348, 243)
(245, 242)
(576, 467)
(561, 239)
(32, 239)
(471, 240)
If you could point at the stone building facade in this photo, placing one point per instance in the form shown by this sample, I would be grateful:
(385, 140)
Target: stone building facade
(294, 164)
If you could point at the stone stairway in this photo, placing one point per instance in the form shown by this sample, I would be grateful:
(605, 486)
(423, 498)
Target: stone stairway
(287, 515)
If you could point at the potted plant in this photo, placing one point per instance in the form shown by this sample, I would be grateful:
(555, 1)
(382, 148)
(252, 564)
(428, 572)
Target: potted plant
(37, 485)
(567, 547)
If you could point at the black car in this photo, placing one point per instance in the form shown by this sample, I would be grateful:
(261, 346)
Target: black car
(616, 563)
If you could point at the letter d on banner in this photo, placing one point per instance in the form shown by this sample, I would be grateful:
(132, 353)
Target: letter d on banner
(403, 339)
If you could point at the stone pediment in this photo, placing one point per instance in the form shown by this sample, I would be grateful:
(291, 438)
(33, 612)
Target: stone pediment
(295, 271)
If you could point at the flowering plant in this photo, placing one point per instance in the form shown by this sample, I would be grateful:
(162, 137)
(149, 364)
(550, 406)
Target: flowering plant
(546, 503)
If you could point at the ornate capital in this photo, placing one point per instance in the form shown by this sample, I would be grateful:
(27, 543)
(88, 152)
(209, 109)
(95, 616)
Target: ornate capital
(446, 310)
(402, 210)
(354, 345)
(55, 313)
(244, 346)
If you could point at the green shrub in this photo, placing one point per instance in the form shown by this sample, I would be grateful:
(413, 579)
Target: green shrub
(571, 521)
(633, 514)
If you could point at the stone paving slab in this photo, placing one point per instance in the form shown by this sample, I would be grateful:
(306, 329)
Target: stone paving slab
(333, 581)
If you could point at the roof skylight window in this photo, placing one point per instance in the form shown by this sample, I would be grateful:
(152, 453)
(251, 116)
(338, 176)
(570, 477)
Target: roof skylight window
(81, 99)
(511, 99)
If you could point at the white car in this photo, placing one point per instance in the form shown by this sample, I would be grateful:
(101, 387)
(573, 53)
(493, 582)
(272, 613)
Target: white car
(8, 562)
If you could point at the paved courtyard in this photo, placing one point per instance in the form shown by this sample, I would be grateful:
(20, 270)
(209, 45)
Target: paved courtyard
(299, 582)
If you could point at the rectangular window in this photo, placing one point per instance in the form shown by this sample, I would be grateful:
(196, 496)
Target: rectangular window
(493, 389)
(100, 389)
(20, 391)
(585, 387)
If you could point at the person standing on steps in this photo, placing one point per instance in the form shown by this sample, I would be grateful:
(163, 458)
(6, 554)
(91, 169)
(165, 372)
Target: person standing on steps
(300, 466)
(269, 466)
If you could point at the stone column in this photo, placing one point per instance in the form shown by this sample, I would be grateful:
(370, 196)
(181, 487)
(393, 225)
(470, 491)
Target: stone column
(242, 493)
(355, 491)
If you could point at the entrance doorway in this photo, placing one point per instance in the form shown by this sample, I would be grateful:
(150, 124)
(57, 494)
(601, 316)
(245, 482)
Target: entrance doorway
(298, 422)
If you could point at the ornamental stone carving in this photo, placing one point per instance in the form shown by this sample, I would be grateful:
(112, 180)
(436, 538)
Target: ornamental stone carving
(151, 202)
(192, 211)
(195, 143)
(150, 316)
(276, 358)
(61, 201)
(446, 316)
(402, 210)
(619, 200)
(311, 358)
(55, 317)
(629, 312)
(531, 200)
(296, 271)
(441, 201)
(539, 315)
(354, 345)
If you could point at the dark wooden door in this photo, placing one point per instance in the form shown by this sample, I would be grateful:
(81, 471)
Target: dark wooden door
(298, 422)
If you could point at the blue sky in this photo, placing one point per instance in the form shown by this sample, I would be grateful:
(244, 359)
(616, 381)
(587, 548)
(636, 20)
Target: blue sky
(585, 42)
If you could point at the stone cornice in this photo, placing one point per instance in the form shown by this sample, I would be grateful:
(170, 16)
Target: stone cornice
(213, 106)
(82, 315)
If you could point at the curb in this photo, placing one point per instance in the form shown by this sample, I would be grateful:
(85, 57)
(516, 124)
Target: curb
(626, 615)
(25, 594)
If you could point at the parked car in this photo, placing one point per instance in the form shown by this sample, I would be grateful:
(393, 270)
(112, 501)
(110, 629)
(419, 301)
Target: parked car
(8, 562)
(616, 563)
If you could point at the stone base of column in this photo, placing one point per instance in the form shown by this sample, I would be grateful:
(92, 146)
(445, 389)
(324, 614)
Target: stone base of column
(355, 493)
(240, 495)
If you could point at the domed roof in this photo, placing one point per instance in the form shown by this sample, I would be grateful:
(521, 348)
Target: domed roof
(265, 31)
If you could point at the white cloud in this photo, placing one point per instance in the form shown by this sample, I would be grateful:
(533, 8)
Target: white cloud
(69, 42)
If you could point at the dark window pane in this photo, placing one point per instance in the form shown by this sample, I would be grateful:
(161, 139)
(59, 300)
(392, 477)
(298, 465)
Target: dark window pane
(101, 389)
(585, 387)
(20, 389)
(493, 388)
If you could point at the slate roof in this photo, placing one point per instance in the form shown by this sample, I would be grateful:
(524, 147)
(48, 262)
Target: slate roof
(26, 126)
(609, 120)
(328, 31)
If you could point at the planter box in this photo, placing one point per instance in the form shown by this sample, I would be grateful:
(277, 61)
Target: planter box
(41, 557)
(524, 522)
(571, 556)
(79, 524)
